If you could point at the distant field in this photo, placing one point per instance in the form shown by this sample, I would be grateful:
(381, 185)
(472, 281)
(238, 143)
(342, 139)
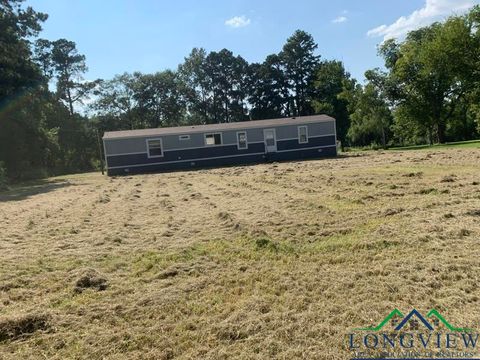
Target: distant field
(473, 144)
(268, 261)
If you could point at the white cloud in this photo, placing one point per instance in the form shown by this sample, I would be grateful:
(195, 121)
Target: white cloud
(433, 10)
(238, 21)
(339, 20)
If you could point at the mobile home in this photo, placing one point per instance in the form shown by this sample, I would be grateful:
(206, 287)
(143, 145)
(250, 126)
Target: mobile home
(183, 147)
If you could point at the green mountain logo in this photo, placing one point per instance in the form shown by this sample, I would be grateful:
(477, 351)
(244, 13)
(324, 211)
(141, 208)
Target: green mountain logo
(414, 318)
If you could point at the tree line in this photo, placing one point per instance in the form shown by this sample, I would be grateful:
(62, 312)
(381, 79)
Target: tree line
(428, 92)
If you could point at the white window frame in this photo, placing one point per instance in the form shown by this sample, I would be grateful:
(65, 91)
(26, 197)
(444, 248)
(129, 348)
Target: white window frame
(213, 133)
(183, 137)
(238, 141)
(306, 134)
(147, 141)
(273, 148)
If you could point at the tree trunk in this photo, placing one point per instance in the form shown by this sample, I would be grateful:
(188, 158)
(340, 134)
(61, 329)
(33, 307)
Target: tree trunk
(430, 135)
(441, 127)
(70, 102)
(384, 139)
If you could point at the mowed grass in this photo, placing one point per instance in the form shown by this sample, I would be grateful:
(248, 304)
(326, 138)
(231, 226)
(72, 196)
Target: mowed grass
(276, 261)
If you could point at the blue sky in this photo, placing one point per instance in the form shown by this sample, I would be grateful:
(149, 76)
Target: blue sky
(153, 35)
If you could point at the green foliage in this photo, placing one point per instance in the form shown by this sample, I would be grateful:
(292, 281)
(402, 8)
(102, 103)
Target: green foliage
(195, 82)
(371, 118)
(213, 86)
(300, 65)
(61, 59)
(116, 105)
(17, 71)
(432, 79)
(369, 113)
(226, 80)
(268, 89)
(39, 136)
(3, 177)
(329, 83)
(160, 102)
(216, 87)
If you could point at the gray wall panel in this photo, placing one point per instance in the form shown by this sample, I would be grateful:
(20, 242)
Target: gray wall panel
(324, 128)
(255, 135)
(125, 146)
(172, 142)
(286, 132)
(289, 132)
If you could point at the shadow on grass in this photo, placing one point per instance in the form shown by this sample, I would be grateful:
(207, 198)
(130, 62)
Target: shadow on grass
(32, 188)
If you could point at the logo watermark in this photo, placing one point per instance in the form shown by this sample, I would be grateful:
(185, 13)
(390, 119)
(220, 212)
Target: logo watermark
(413, 336)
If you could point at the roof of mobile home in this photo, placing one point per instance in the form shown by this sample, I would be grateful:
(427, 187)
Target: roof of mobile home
(215, 127)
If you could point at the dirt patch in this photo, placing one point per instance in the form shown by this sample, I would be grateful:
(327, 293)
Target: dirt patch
(224, 216)
(427, 191)
(394, 211)
(168, 273)
(24, 325)
(14, 285)
(418, 174)
(449, 178)
(90, 279)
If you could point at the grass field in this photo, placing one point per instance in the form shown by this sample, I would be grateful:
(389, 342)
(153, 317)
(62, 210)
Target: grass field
(268, 261)
(472, 144)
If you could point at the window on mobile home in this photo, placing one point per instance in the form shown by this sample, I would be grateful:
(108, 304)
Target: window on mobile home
(242, 140)
(154, 147)
(302, 135)
(213, 139)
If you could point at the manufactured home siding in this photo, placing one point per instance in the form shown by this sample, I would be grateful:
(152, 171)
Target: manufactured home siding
(125, 146)
(321, 129)
(129, 153)
(172, 142)
(183, 155)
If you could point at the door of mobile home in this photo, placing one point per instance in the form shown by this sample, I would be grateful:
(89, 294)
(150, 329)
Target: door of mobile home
(270, 140)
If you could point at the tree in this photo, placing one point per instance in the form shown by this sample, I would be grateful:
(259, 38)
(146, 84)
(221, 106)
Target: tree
(434, 69)
(38, 136)
(160, 99)
(267, 89)
(68, 66)
(116, 99)
(17, 71)
(227, 84)
(21, 138)
(370, 115)
(197, 93)
(300, 66)
(329, 83)
(43, 57)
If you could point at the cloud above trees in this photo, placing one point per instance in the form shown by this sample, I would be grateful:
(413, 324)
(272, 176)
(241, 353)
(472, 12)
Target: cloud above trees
(339, 20)
(433, 10)
(237, 21)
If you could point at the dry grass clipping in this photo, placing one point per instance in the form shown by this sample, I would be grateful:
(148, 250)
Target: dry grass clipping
(265, 261)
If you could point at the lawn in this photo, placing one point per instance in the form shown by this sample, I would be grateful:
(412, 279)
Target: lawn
(472, 144)
(276, 260)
